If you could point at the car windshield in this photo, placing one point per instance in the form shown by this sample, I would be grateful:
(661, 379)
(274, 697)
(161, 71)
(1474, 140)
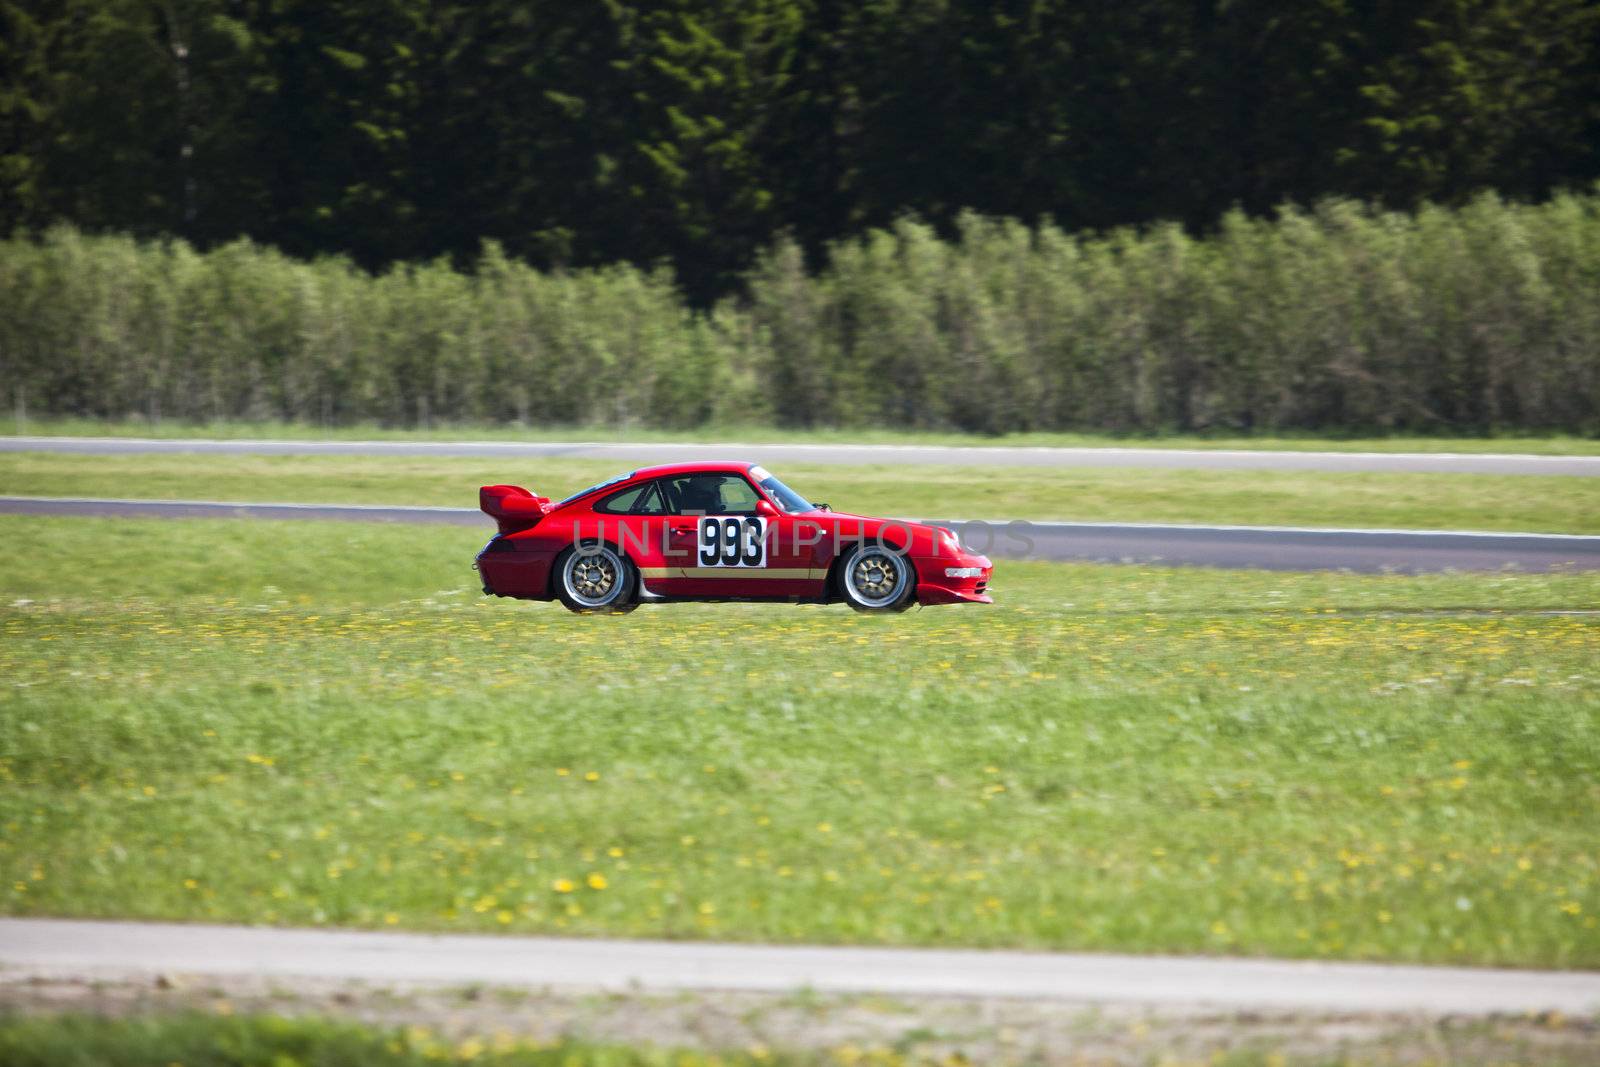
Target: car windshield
(597, 485)
(787, 498)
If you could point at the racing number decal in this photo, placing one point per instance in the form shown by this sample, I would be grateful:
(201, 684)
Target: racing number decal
(729, 541)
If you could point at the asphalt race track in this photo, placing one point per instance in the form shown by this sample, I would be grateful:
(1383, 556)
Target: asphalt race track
(1278, 548)
(1257, 547)
(999, 456)
(90, 507)
(54, 947)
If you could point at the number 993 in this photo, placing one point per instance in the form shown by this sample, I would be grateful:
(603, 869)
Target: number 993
(733, 541)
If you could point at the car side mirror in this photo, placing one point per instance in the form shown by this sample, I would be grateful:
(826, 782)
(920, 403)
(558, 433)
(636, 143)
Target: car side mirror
(764, 507)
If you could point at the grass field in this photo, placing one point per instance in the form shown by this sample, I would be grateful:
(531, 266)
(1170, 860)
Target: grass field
(200, 1041)
(1289, 498)
(1549, 445)
(325, 724)
(197, 1039)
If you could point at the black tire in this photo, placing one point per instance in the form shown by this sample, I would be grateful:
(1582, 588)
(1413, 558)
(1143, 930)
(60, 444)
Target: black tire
(596, 580)
(873, 577)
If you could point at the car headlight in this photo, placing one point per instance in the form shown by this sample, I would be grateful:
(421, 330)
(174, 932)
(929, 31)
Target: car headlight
(963, 572)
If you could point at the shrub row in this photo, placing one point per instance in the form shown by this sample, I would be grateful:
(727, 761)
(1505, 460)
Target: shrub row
(1343, 318)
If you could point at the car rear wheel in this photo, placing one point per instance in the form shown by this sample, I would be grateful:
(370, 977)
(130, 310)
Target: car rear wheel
(876, 578)
(596, 580)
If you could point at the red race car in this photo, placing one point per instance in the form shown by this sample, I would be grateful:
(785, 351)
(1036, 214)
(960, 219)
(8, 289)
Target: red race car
(714, 531)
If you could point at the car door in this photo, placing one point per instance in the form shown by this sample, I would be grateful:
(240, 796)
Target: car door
(726, 539)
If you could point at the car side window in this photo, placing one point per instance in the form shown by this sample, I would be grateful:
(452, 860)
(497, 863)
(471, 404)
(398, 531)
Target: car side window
(738, 498)
(623, 502)
(712, 494)
(650, 502)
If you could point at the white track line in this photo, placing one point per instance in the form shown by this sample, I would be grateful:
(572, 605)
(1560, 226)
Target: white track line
(177, 443)
(910, 455)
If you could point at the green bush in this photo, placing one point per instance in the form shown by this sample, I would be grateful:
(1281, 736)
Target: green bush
(1343, 319)
(1340, 319)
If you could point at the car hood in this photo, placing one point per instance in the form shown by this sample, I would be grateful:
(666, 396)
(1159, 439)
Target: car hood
(924, 536)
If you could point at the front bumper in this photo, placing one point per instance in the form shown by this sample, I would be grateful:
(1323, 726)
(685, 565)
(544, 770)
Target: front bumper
(961, 579)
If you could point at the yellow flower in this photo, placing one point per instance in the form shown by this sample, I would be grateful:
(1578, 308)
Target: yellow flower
(562, 885)
(597, 880)
(592, 776)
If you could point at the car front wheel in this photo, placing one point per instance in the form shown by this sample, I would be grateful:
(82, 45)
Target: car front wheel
(875, 578)
(595, 580)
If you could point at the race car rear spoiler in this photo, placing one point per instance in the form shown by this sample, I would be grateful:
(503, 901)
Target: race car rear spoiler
(513, 507)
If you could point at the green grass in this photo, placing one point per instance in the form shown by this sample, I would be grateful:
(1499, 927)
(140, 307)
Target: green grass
(1289, 498)
(324, 724)
(1548, 445)
(197, 1040)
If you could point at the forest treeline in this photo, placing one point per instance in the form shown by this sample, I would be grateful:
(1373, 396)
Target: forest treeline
(1344, 317)
(696, 132)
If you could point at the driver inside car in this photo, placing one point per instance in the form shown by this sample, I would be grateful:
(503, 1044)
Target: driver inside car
(702, 495)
